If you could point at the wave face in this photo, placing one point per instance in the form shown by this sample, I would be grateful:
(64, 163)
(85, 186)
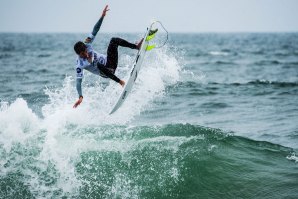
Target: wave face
(210, 116)
(168, 161)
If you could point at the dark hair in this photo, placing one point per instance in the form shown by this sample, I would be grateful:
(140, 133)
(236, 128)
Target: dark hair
(79, 47)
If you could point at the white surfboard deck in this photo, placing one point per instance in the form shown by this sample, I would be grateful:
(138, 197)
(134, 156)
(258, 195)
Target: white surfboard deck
(134, 72)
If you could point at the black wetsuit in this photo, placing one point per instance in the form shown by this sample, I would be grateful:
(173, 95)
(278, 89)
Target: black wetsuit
(103, 65)
(108, 70)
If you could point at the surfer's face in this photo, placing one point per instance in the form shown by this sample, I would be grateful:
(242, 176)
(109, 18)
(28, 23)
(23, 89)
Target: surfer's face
(83, 54)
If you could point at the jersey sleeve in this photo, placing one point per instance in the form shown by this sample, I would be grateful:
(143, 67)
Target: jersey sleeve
(79, 75)
(79, 69)
(79, 87)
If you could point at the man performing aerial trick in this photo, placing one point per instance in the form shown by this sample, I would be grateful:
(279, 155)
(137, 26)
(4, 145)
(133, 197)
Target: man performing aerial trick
(99, 64)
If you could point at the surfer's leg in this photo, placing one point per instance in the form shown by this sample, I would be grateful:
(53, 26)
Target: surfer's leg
(112, 53)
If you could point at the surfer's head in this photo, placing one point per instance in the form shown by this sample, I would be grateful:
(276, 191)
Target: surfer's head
(81, 49)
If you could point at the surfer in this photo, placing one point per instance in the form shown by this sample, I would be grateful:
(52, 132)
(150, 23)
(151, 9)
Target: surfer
(96, 63)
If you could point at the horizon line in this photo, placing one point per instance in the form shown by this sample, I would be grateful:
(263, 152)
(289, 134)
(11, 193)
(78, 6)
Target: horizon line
(138, 32)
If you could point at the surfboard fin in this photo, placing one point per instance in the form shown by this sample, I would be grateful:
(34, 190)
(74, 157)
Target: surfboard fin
(148, 38)
(150, 47)
(151, 34)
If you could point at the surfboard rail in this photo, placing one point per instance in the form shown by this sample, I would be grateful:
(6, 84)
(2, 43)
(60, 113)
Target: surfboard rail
(134, 71)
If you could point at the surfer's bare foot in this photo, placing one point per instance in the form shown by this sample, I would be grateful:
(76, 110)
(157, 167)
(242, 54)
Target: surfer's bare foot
(139, 44)
(122, 83)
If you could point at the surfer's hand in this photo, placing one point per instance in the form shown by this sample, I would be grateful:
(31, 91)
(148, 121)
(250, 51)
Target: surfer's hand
(122, 83)
(105, 11)
(78, 102)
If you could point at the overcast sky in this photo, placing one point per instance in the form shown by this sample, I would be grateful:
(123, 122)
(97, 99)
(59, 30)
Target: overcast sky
(134, 15)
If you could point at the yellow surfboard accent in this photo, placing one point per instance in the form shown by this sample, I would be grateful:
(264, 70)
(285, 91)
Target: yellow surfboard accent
(148, 48)
(150, 37)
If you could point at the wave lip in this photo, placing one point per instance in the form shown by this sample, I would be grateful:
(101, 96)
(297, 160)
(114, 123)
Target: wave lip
(293, 157)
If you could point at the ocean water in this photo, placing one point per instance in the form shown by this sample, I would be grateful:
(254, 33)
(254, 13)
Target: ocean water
(211, 115)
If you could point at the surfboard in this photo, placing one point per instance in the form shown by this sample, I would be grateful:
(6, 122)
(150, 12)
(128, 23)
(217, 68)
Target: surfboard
(135, 69)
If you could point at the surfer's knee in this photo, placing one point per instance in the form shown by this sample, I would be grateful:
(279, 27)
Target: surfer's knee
(114, 40)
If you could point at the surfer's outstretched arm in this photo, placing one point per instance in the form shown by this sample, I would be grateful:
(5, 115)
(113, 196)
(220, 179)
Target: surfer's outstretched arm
(79, 89)
(97, 26)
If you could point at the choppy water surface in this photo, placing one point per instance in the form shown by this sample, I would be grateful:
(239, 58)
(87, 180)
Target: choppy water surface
(210, 116)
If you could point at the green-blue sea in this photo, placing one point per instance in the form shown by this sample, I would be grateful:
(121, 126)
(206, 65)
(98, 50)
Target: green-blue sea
(211, 115)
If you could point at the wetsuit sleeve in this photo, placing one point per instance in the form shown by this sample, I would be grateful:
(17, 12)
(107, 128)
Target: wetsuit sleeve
(79, 86)
(95, 30)
(110, 75)
(97, 26)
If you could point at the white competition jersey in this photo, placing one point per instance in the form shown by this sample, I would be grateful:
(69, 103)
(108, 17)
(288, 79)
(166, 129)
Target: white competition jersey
(91, 67)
